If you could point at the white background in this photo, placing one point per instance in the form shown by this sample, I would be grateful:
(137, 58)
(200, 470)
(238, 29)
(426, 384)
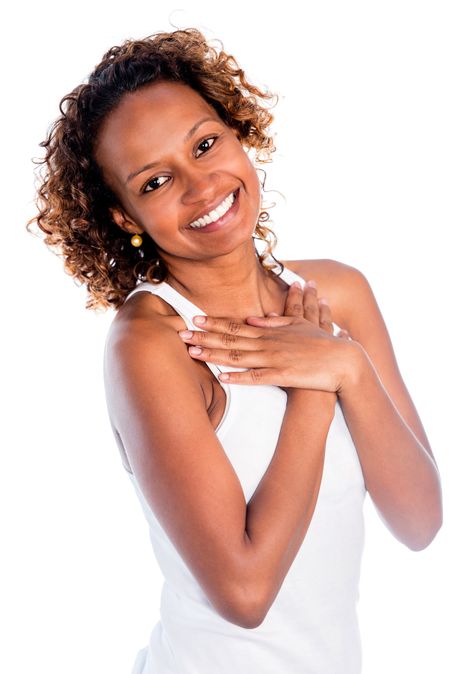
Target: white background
(363, 170)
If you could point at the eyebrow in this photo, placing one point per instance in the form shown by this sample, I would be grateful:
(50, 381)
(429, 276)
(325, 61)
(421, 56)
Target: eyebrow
(185, 140)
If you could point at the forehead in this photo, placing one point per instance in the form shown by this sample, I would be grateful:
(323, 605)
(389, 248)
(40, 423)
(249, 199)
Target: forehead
(158, 113)
(174, 99)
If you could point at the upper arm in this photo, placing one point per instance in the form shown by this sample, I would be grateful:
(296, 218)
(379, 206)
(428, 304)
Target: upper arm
(156, 403)
(361, 316)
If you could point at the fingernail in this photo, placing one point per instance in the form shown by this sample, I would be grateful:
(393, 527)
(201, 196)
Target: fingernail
(323, 300)
(186, 334)
(311, 283)
(195, 350)
(199, 320)
(296, 284)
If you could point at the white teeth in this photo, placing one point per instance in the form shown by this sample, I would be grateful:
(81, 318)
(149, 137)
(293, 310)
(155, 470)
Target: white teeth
(214, 215)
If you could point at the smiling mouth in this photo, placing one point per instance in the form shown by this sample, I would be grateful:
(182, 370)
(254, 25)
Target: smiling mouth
(217, 215)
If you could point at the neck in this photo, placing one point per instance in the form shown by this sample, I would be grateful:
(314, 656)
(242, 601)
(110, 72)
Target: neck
(235, 285)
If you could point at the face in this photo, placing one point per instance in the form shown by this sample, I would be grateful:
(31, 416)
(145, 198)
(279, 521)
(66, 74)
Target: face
(170, 159)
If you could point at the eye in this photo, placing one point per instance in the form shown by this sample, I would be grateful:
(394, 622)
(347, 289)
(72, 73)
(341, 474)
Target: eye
(149, 182)
(152, 180)
(206, 139)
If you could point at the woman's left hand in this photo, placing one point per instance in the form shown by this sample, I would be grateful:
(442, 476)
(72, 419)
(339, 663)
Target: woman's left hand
(282, 351)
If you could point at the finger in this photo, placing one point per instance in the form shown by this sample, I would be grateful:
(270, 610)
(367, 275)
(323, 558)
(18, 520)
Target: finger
(257, 358)
(310, 304)
(219, 340)
(260, 376)
(293, 305)
(325, 321)
(229, 326)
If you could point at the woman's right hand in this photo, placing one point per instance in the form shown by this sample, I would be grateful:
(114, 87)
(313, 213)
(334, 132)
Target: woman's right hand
(297, 350)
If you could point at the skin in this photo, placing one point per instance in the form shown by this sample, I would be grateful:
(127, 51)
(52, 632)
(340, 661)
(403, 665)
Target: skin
(220, 273)
(217, 270)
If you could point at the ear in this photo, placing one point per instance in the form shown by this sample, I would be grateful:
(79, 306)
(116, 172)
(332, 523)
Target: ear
(123, 221)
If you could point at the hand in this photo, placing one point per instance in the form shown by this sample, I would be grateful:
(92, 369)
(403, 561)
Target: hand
(286, 351)
(317, 311)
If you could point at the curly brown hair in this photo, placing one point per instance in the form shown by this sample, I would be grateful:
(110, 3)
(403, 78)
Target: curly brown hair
(73, 200)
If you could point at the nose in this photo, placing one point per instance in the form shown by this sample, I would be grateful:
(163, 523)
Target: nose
(200, 186)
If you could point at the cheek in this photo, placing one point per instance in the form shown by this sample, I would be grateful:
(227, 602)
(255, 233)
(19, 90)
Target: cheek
(254, 186)
(252, 178)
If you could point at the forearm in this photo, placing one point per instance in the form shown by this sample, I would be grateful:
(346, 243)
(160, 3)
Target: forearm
(400, 475)
(281, 508)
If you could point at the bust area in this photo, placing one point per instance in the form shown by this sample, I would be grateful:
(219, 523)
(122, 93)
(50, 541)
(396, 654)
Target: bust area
(214, 393)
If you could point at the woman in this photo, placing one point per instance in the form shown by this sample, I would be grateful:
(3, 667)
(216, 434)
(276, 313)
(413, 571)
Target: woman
(252, 484)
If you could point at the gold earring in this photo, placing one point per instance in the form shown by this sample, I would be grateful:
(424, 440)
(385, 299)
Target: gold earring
(136, 240)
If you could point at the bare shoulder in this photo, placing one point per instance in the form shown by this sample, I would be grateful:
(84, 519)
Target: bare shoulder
(141, 348)
(138, 322)
(145, 305)
(335, 281)
(143, 329)
(141, 314)
(355, 307)
(141, 322)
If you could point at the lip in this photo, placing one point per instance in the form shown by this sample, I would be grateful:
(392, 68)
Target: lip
(213, 226)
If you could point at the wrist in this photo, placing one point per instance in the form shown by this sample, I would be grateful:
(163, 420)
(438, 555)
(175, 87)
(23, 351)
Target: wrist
(314, 399)
(357, 363)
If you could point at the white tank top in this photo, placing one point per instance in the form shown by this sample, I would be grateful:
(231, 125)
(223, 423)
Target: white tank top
(312, 626)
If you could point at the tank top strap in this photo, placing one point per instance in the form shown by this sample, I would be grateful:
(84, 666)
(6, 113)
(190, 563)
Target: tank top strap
(187, 310)
(290, 277)
(181, 304)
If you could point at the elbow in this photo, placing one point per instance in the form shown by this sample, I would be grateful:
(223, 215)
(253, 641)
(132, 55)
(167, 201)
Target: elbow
(423, 541)
(249, 609)
(246, 602)
(249, 617)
